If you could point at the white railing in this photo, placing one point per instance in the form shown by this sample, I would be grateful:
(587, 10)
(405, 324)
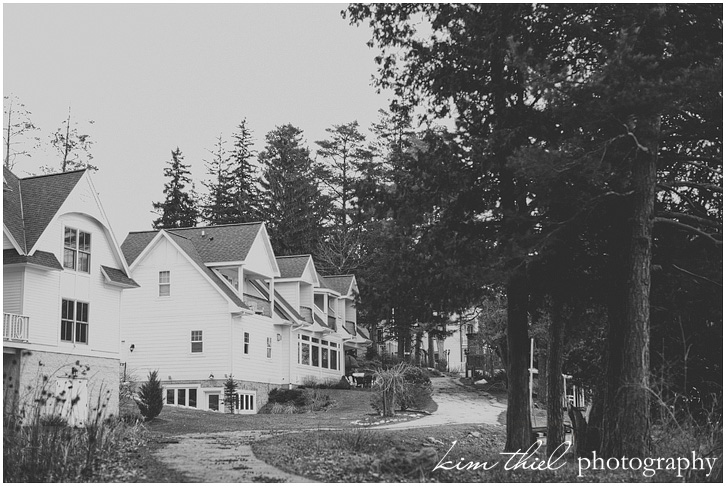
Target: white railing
(15, 327)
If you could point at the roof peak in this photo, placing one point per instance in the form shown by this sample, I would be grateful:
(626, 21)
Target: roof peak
(51, 174)
(306, 255)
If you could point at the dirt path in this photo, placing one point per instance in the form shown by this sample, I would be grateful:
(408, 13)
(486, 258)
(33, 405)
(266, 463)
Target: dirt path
(457, 404)
(222, 457)
(226, 457)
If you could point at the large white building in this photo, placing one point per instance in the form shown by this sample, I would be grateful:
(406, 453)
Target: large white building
(215, 302)
(63, 280)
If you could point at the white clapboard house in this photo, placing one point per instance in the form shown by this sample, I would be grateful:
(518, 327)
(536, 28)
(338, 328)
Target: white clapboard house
(216, 302)
(63, 280)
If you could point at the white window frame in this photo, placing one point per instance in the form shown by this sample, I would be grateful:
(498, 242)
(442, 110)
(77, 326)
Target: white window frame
(76, 251)
(165, 283)
(187, 395)
(197, 338)
(246, 402)
(246, 343)
(269, 347)
(74, 321)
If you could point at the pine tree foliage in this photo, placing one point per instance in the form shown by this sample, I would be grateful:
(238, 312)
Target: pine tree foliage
(290, 201)
(151, 397)
(179, 208)
(244, 190)
(230, 394)
(219, 202)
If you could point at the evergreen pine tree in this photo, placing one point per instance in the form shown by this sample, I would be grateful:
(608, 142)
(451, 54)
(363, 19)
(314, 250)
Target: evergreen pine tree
(151, 397)
(243, 188)
(179, 209)
(230, 394)
(290, 200)
(219, 203)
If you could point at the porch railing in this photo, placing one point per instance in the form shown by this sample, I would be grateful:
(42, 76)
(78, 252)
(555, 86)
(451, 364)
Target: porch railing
(15, 327)
(259, 305)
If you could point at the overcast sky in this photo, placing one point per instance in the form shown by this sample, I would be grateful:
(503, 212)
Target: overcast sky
(154, 77)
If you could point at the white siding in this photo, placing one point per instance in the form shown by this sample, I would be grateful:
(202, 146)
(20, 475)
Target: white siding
(256, 366)
(7, 244)
(289, 292)
(42, 303)
(306, 295)
(13, 290)
(160, 327)
(259, 260)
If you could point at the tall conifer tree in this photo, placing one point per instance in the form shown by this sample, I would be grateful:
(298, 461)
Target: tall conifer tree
(179, 208)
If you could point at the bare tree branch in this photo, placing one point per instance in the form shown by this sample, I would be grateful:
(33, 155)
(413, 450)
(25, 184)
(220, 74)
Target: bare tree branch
(688, 228)
(701, 277)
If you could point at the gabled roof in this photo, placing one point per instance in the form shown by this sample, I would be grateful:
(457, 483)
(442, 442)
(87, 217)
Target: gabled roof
(212, 244)
(30, 204)
(340, 283)
(39, 258)
(292, 266)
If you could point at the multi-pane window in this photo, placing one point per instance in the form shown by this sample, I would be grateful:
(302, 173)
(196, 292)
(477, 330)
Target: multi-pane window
(245, 402)
(316, 352)
(164, 283)
(197, 345)
(269, 347)
(74, 321)
(246, 343)
(379, 335)
(186, 397)
(77, 250)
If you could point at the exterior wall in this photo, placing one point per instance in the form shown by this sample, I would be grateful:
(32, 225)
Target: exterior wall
(255, 366)
(160, 328)
(205, 388)
(7, 244)
(43, 290)
(39, 371)
(259, 259)
(290, 291)
(306, 295)
(13, 279)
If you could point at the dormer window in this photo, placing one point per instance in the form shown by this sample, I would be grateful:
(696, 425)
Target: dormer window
(77, 250)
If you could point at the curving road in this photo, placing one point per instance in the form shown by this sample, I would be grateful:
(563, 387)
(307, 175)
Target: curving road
(458, 404)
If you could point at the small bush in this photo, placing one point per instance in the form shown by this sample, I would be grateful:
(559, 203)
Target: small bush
(315, 399)
(151, 397)
(283, 408)
(230, 394)
(294, 396)
(309, 382)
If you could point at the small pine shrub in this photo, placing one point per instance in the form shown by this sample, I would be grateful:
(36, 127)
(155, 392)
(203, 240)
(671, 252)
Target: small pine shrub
(230, 394)
(151, 397)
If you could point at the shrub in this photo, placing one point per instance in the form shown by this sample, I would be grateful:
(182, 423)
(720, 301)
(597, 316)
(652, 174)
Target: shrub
(309, 381)
(151, 397)
(295, 396)
(442, 365)
(417, 389)
(315, 399)
(230, 394)
(388, 385)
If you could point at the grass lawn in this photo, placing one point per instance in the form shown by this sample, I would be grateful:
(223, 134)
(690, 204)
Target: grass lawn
(368, 455)
(348, 406)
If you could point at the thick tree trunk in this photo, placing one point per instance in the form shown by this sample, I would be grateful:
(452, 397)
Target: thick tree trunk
(519, 424)
(555, 391)
(627, 409)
